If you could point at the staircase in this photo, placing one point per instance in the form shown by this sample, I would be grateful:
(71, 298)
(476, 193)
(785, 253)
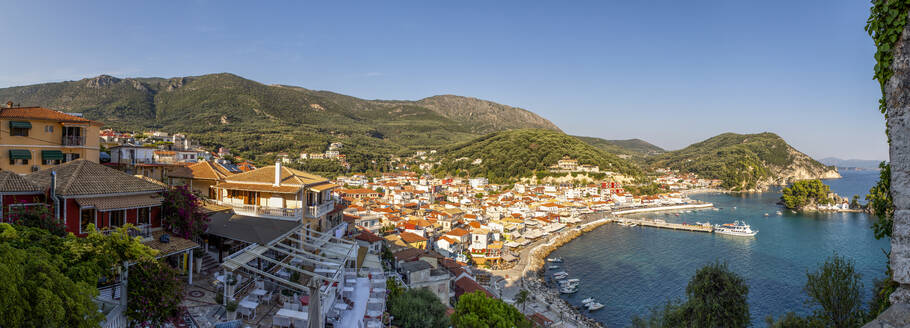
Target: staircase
(209, 263)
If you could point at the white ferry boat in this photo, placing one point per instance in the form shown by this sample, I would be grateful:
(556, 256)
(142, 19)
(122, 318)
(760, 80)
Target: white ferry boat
(736, 228)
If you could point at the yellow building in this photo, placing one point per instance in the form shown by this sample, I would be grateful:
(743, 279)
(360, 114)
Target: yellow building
(36, 138)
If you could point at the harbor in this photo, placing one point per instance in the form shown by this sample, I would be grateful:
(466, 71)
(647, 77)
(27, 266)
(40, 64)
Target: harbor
(657, 223)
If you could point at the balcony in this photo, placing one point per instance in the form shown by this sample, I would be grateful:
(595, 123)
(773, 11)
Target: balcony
(317, 211)
(263, 211)
(73, 140)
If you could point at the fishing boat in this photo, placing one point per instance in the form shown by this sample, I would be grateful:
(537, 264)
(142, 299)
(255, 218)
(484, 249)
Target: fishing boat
(587, 300)
(554, 267)
(593, 306)
(736, 228)
(779, 213)
(555, 260)
(766, 214)
(568, 290)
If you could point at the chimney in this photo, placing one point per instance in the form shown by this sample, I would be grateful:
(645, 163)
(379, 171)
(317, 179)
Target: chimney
(277, 173)
(9, 104)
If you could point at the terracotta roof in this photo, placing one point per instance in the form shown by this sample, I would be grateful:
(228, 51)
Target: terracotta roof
(266, 174)
(82, 177)
(259, 187)
(41, 113)
(458, 232)
(467, 285)
(12, 182)
(203, 170)
(408, 254)
(368, 237)
(120, 202)
(323, 187)
(411, 237)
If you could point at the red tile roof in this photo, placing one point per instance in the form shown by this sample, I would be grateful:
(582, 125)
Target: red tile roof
(411, 237)
(41, 113)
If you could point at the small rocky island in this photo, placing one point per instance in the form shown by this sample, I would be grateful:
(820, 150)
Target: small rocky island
(814, 195)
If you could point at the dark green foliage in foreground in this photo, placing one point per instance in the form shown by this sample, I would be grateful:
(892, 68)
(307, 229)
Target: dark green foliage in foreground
(476, 310)
(716, 297)
(417, 308)
(514, 154)
(804, 193)
(740, 160)
(835, 295)
(882, 205)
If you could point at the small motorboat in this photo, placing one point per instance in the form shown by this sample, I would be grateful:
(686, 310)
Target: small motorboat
(587, 300)
(593, 306)
(554, 267)
(568, 290)
(555, 260)
(779, 213)
(766, 214)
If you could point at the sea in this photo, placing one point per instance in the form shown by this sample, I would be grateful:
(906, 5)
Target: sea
(633, 269)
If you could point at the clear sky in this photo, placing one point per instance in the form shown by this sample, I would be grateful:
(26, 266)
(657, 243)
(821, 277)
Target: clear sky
(669, 72)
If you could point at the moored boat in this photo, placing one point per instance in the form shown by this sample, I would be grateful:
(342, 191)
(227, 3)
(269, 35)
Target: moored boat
(555, 260)
(737, 228)
(595, 306)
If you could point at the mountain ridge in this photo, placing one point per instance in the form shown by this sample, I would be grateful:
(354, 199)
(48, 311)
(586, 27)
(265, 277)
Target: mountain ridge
(745, 161)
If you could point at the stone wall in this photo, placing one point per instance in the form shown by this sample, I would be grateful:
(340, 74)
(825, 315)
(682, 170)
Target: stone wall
(897, 95)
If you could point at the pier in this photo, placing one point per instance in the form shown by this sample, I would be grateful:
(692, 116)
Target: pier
(667, 225)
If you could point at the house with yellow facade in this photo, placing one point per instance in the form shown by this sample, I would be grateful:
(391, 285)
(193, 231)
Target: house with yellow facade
(36, 138)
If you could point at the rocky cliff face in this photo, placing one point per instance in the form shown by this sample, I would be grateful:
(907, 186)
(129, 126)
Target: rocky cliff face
(801, 167)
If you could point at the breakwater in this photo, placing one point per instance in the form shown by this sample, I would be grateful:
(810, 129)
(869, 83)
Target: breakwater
(663, 208)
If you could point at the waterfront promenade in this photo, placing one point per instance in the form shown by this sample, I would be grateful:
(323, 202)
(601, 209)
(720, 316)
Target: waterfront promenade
(666, 225)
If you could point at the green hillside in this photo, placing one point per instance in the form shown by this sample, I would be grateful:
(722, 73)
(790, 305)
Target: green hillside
(743, 161)
(522, 153)
(253, 119)
(631, 147)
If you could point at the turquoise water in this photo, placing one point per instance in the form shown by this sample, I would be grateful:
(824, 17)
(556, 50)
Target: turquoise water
(854, 183)
(631, 269)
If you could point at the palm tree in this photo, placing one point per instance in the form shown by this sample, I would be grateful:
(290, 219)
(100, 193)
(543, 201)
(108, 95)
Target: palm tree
(522, 299)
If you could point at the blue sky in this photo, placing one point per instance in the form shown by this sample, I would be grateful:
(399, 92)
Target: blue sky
(669, 72)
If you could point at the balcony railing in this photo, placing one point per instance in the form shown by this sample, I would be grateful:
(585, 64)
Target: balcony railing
(143, 230)
(319, 210)
(73, 140)
(256, 210)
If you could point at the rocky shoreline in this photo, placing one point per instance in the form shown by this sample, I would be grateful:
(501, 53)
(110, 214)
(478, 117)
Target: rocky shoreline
(535, 276)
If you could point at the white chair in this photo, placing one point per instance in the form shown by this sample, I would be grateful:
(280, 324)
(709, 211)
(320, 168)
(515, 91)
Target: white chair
(267, 298)
(281, 322)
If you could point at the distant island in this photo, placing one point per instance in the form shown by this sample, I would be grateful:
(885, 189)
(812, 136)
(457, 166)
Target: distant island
(813, 195)
(851, 164)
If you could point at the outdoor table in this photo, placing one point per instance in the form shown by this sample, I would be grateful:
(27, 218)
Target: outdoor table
(349, 289)
(376, 300)
(341, 306)
(291, 314)
(351, 281)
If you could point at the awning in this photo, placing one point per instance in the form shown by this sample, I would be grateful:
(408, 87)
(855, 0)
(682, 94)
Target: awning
(323, 187)
(20, 154)
(51, 155)
(120, 202)
(20, 124)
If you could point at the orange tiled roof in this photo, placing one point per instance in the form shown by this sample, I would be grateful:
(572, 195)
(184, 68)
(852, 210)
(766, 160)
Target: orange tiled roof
(266, 174)
(204, 170)
(41, 113)
(411, 237)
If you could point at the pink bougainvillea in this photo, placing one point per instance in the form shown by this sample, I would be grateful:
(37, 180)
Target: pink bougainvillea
(182, 213)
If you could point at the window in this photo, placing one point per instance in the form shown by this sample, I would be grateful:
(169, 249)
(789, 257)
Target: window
(85, 218)
(70, 157)
(50, 161)
(49, 128)
(18, 132)
(13, 161)
(145, 216)
(117, 219)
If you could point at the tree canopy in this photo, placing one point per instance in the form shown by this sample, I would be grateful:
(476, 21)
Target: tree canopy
(805, 193)
(476, 310)
(716, 297)
(417, 308)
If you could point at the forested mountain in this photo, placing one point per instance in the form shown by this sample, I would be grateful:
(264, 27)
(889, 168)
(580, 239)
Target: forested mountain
(253, 118)
(510, 154)
(631, 147)
(745, 161)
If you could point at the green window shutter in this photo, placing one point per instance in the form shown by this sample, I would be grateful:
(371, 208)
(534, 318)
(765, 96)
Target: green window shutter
(52, 155)
(20, 124)
(20, 154)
